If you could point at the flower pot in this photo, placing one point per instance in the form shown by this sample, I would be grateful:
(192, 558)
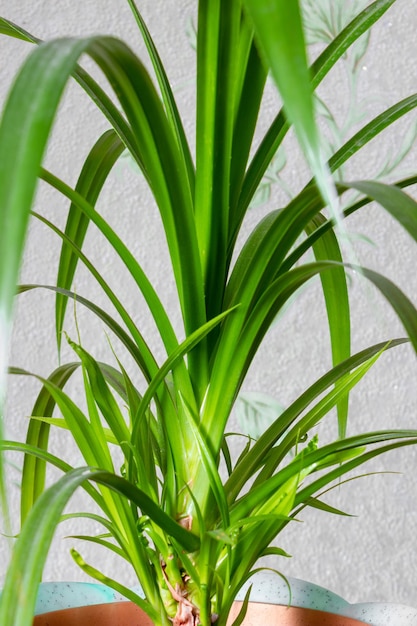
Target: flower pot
(279, 615)
(324, 607)
(311, 605)
(109, 614)
(128, 614)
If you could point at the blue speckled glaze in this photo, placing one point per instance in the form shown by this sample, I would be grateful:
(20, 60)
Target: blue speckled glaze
(63, 595)
(266, 587)
(269, 587)
(384, 614)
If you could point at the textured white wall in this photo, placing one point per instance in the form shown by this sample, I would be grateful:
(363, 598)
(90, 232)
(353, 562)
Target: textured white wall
(370, 558)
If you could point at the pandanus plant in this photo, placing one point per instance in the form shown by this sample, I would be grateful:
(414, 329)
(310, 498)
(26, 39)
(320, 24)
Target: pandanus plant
(191, 533)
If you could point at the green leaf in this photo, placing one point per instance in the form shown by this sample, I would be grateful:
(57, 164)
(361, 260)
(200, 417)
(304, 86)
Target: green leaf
(276, 552)
(126, 256)
(59, 422)
(143, 352)
(90, 182)
(110, 582)
(278, 25)
(220, 64)
(318, 503)
(103, 396)
(31, 106)
(321, 67)
(171, 362)
(13, 30)
(400, 205)
(148, 507)
(255, 457)
(20, 158)
(157, 146)
(401, 304)
(305, 423)
(396, 439)
(371, 130)
(247, 113)
(241, 615)
(167, 95)
(31, 548)
(239, 347)
(34, 469)
(359, 25)
(315, 503)
(92, 446)
(99, 541)
(47, 457)
(91, 87)
(336, 297)
(212, 473)
(120, 333)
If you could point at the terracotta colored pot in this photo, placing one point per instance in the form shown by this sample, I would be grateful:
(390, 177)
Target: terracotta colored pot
(109, 614)
(259, 613)
(128, 614)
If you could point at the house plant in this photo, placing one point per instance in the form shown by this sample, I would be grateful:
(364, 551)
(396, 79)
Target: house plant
(192, 538)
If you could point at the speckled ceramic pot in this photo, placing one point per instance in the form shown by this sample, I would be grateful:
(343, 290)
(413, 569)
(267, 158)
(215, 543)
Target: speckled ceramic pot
(327, 608)
(110, 614)
(127, 614)
(311, 605)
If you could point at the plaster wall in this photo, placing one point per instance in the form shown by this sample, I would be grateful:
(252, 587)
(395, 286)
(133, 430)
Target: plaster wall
(372, 558)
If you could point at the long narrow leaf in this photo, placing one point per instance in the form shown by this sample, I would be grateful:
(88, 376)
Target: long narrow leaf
(311, 418)
(183, 445)
(159, 151)
(401, 304)
(254, 458)
(229, 369)
(119, 332)
(13, 30)
(110, 582)
(92, 178)
(186, 539)
(20, 158)
(404, 438)
(20, 588)
(167, 94)
(371, 130)
(132, 265)
(400, 205)
(273, 138)
(344, 453)
(278, 24)
(246, 116)
(103, 397)
(336, 297)
(51, 459)
(218, 71)
(34, 469)
(91, 87)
